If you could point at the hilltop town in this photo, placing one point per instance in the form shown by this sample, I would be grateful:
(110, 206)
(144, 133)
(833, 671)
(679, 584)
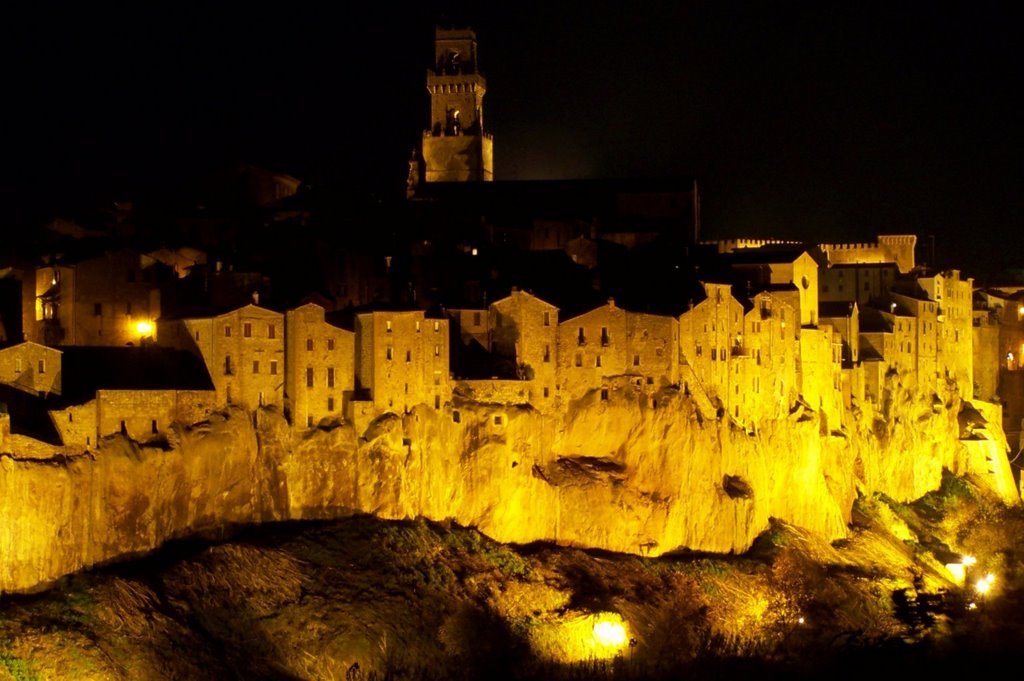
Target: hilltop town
(513, 292)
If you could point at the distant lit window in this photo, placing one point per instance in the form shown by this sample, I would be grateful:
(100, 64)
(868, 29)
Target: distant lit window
(437, 326)
(437, 351)
(387, 326)
(247, 330)
(330, 343)
(417, 326)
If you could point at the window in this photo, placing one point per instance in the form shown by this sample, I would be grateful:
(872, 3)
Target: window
(271, 331)
(437, 401)
(547, 319)
(604, 393)
(330, 343)
(197, 335)
(273, 367)
(387, 326)
(330, 377)
(579, 359)
(408, 355)
(97, 309)
(256, 366)
(597, 362)
(309, 377)
(437, 326)
(456, 417)
(580, 338)
(650, 380)
(437, 351)
(309, 421)
(547, 353)
(227, 365)
(636, 360)
(417, 326)
(330, 404)
(227, 332)
(497, 420)
(17, 363)
(309, 344)
(247, 329)
(390, 353)
(545, 392)
(714, 354)
(604, 335)
(476, 319)
(152, 426)
(699, 350)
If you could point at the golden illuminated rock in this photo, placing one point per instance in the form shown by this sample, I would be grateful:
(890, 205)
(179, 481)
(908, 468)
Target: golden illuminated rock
(617, 474)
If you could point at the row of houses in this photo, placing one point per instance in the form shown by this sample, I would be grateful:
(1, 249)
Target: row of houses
(750, 357)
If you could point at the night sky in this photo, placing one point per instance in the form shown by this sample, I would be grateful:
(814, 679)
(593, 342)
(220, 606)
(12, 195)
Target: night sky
(823, 121)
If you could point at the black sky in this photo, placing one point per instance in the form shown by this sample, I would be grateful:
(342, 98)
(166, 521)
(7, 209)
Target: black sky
(832, 121)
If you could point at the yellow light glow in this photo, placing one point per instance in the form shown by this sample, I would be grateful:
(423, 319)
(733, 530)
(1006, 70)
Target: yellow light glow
(144, 328)
(610, 634)
(968, 560)
(990, 579)
(958, 571)
(982, 586)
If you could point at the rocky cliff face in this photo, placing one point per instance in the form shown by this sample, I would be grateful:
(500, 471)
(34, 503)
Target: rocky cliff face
(617, 474)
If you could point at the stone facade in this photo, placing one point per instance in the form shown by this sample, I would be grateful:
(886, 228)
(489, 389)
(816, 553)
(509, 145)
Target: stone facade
(243, 350)
(319, 366)
(402, 360)
(31, 367)
(111, 300)
(524, 329)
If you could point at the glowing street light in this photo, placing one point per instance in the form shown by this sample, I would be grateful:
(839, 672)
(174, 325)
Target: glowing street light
(144, 328)
(609, 633)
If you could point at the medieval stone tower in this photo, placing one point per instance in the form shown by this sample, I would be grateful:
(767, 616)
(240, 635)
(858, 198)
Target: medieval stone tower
(456, 148)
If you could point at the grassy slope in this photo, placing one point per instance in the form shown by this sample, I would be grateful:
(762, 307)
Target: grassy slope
(416, 600)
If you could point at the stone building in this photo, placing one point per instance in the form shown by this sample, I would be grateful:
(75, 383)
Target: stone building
(319, 366)
(954, 314)
(523, 330)
(864, 284)
(137, 392)
(778, 269)
(456, 148)
(890, 248)
(402, 360)
(31, 367)
(111, 300)
(243, 348)
(709, 333)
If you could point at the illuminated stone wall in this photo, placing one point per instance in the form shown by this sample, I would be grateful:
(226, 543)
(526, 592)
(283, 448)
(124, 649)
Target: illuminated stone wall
(592, 346)
(402, 359)
(243, 351)
(858, 283)
(525, 329)
(31, 367)
(896, 248)
(99, 301)
(146, 415)
(319, 366)
(77, 424)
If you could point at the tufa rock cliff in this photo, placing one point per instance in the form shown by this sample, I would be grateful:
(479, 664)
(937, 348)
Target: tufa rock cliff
(624, 474)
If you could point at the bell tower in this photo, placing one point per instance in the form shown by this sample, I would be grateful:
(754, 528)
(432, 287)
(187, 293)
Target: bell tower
(456, 148)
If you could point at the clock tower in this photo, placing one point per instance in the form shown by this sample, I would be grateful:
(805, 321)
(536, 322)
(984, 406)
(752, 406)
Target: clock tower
(455, 147)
